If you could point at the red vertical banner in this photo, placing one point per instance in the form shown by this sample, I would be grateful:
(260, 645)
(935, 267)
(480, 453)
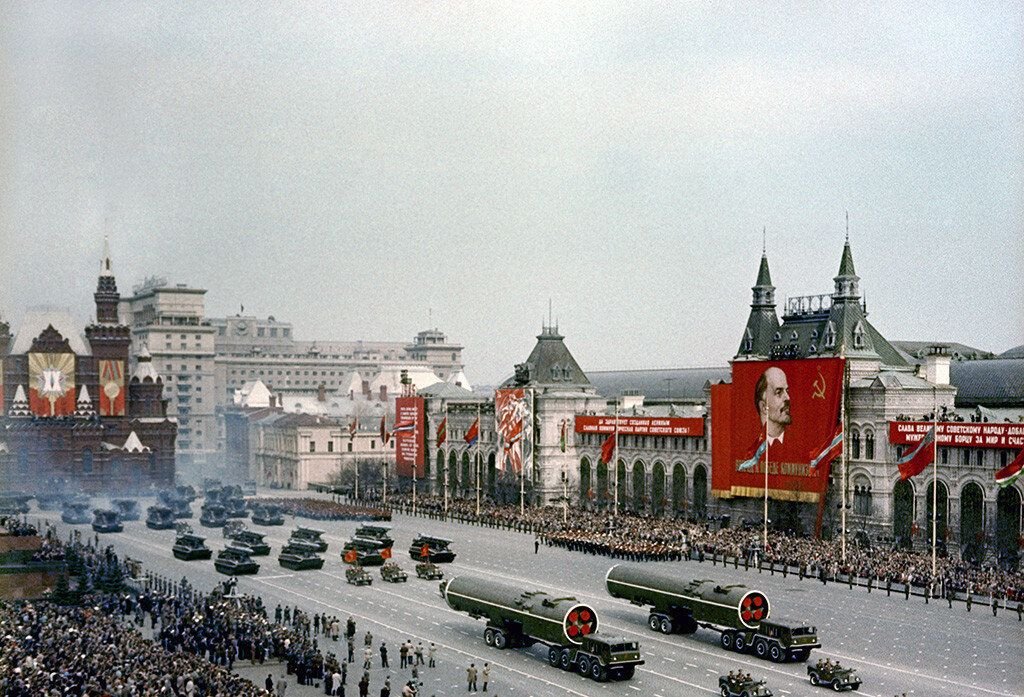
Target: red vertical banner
(409, 432)
(512, 419)
(51, 388)
(783, 413)
(112, 390)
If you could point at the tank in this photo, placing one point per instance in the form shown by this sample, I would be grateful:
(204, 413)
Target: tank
(235, 561)
(159, 518)
(365, 552)
(188, 547)
(298, 556)
(569, 628)
(254, 541)
(76, 514)
(309, 536)
(127, 508)
(380, 533)
(267, 515)
(432, 549)
(236, 507)
(104, 520)
(212, 515)
(740, 614)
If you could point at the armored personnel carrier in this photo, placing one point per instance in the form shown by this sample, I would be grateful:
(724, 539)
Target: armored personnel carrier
(128, 509)
(104, 520)
(393, 573)
(358, 576)
(433, 549)
(740, 686)
(212, 515)
(299, 556)
(267, 514)
(189, 547)
(738, 613)
(235, 560)
(310, 536)
(159, 518)
(518, 618)
(254, 541)
(75, 513)
(833, 675)
(429, 570)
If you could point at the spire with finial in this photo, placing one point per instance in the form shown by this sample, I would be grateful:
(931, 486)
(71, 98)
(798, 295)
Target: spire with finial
(762, 322)
(764, 291)
(106, 295)
(847, 282)
(106, 266)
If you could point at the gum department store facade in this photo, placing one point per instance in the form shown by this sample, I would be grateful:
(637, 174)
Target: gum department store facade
(666, 475)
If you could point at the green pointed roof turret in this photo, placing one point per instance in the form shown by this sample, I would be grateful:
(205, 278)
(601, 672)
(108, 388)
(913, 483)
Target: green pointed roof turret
(846, 265)
(764, 276)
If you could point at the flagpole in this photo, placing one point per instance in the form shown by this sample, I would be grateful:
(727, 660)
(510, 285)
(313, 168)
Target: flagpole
(935, 473)
(615, 462)
(477, 459)
(842, 422)
(446, 467)
(766, 449)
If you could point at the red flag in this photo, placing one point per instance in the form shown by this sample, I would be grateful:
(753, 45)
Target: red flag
(473, 433)
(442, 432)
(384, 435)
(350, 557)
(352, 427)
(1008, 475)
(915, 462)
(385, 553)
(425, 551)
(608, 449)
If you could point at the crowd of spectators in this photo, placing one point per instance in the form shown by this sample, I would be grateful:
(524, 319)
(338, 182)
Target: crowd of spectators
(324, 509)
(16, 527)
(639, 537)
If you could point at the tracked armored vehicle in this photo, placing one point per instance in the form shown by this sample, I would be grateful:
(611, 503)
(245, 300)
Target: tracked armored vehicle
(300, 556)
(310, 536)
(128, 509)
(189, 547)
(76, 514)
(432, 549)
(104, 520)
(159, 518)
(235, 560)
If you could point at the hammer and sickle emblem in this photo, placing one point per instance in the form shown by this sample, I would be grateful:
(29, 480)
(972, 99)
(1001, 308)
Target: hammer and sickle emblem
(819, 386)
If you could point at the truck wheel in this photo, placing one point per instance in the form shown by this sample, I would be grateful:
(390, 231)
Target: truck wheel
(727, 641)
(553, 657)
(500, 640)
(775, 652)
(665, 625)
(761, 648)
(654, 622)
(740, 644)
(597, 672)
(583, 665)
(565, 660)
(628, 672)
(489, 636)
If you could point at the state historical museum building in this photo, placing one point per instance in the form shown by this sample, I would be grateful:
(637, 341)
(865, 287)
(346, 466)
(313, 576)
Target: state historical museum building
(70, 411)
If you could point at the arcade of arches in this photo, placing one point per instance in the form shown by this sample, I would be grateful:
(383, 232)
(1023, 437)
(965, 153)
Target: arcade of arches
(656, 489)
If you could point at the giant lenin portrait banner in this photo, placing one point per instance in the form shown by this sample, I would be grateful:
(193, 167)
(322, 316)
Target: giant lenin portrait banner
(51, 384)
(783, 413)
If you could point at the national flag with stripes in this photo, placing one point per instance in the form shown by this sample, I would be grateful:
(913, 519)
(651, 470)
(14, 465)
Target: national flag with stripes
(914, 462)
(442, 432)
(830, 451)
(1008, 475)
(473, 434)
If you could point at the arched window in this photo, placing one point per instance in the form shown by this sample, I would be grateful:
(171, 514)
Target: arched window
(748, 341)
(858, 335)
(855, 445)
(869, 445)
(830, 335)
(862, 496)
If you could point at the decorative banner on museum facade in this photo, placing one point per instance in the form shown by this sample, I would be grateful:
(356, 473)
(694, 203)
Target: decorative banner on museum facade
(409, 432)
(513, 419)
(958, 434)
(641, 425)
(51, 380)
(111, 388)
(797, 402)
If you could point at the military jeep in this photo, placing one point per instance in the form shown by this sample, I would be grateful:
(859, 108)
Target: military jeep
(393, 573)
(358, 576)
(739, 686)
(429, 570)
(833, 675)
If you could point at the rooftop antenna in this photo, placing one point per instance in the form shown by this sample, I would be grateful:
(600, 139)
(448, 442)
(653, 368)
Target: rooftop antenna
(764, 240)
(550, 321)
(430, 317)
(847, 227)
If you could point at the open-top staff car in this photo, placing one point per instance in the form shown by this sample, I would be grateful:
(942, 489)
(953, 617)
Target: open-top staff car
(358, 576)
(105, 520)
(741, 686)
(433, 549)
(429, 571)
(159, 518)
(299, 556)
(189, 547)
(267, 514)
(310, 536)
(829, 674)
(393, 573)
(128, 509)
(379, 533)
(235, 560)
(75, 513)
(212, 515)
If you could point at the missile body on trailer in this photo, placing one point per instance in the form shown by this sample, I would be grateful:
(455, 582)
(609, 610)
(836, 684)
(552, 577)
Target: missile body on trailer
(518, 618)
(738, 613)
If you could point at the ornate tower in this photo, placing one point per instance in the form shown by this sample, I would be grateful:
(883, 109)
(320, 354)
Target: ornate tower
(763, 323)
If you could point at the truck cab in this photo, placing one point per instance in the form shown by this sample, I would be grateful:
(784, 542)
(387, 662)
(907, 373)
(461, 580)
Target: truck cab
(599, 657)
(782, 641)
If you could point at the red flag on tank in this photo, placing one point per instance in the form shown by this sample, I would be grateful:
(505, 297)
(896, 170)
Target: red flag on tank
(608, 449)
(351, 556)
(425, 551)
(385, 553)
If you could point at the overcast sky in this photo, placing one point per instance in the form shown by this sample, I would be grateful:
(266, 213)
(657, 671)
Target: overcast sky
(353, 167)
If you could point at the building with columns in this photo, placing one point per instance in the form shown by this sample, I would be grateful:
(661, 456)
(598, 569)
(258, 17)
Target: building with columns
(79, 408)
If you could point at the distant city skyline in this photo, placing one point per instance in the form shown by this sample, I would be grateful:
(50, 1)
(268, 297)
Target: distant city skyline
(367, 173)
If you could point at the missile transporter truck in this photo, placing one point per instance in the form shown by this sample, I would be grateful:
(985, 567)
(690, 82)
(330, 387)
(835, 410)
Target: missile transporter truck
(517, 618)
(738, 613)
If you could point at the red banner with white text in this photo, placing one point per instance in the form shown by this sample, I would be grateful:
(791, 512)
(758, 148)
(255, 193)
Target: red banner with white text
(642, 425)
(959, 434)
(409, 433)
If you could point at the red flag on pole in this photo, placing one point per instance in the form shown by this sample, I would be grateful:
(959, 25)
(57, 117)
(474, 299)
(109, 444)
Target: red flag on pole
(915, 462)
(473, 433)
(425, 551)
(608, 449)
(351, 556)
(385, 553)
(352, 428)
(1008, 475)
(384, 435)
(442, 432)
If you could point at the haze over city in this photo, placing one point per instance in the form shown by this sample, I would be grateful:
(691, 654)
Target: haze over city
(367, 171)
